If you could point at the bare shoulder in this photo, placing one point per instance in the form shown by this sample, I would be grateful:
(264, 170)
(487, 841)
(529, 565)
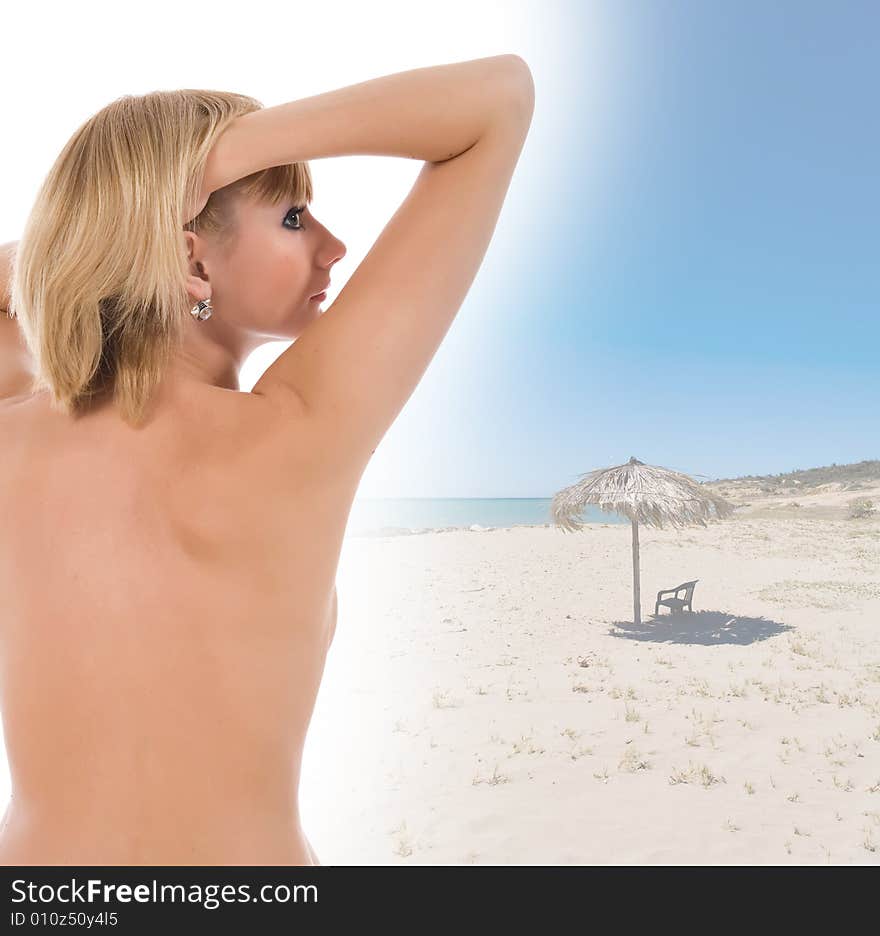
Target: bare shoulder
(290, 480)
(286, 445)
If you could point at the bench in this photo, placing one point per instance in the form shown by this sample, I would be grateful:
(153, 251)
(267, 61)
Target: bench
(676, 603)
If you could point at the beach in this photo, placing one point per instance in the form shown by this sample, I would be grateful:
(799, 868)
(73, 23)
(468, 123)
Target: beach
(488, 700)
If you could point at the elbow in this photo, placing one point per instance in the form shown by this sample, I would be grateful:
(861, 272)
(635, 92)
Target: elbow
(520, 87)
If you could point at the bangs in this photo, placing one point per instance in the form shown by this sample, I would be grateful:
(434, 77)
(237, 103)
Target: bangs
(292, 182)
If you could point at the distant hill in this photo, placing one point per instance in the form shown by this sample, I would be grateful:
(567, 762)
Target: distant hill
(863, 471)
(864, 474)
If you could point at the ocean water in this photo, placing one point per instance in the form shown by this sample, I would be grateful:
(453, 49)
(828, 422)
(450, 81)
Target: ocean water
(401, 515)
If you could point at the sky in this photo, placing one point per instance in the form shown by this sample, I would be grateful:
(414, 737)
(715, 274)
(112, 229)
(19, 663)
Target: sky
(686, 265)
(700, 289)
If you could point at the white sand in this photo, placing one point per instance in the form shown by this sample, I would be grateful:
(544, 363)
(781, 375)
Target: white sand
(488, 700)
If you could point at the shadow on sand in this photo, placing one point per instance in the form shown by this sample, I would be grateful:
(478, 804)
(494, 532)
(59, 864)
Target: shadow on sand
(699, 627)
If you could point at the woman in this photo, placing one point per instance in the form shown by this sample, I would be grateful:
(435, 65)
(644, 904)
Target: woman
(169, 545)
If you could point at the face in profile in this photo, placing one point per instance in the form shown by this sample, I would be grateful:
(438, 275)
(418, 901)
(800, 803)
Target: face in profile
(262, 274)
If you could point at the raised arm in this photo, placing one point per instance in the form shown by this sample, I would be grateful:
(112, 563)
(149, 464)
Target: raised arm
(353, 369)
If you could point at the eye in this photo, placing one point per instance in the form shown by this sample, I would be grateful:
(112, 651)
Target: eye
(294, 213)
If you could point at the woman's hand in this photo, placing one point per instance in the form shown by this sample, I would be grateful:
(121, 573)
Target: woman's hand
(16, 366)
(7, 255)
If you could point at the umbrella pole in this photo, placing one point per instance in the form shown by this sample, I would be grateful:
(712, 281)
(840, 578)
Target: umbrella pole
(637, 616)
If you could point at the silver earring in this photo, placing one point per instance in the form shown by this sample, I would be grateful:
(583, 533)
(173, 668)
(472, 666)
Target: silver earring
(202, 310)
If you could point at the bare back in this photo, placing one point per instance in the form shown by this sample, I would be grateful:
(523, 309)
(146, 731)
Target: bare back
(168, 601)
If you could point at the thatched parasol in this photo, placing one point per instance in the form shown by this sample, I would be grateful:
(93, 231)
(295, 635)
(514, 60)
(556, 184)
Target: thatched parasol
(644, 493)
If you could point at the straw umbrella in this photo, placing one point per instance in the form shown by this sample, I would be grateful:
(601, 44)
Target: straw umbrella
(644, 493)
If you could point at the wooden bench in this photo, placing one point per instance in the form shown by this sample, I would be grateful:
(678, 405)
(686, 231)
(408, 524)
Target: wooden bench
(675, 603)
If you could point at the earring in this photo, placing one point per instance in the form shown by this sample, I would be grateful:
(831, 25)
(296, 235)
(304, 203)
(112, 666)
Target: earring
(202, 310)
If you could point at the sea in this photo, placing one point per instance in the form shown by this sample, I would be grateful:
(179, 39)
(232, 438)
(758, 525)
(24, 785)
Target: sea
(394, 516)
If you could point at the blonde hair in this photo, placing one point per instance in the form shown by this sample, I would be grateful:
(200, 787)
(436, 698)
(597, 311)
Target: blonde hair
(98, 281)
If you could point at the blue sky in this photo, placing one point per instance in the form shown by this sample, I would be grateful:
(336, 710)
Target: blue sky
(712, 240)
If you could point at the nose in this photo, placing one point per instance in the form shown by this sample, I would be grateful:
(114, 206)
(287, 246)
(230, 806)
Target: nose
(338, 250)
(334, 252)
(332, 249)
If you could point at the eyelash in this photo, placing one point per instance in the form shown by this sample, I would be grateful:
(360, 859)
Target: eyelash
(295, 211)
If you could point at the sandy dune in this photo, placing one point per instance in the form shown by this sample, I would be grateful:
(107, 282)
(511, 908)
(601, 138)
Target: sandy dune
(489, 701)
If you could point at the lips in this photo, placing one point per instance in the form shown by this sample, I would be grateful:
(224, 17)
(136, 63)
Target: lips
(320, 292)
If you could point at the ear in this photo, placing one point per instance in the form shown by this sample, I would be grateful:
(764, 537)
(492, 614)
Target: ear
(197, 284)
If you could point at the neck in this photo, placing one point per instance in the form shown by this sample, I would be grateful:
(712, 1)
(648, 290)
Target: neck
(213, 353)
